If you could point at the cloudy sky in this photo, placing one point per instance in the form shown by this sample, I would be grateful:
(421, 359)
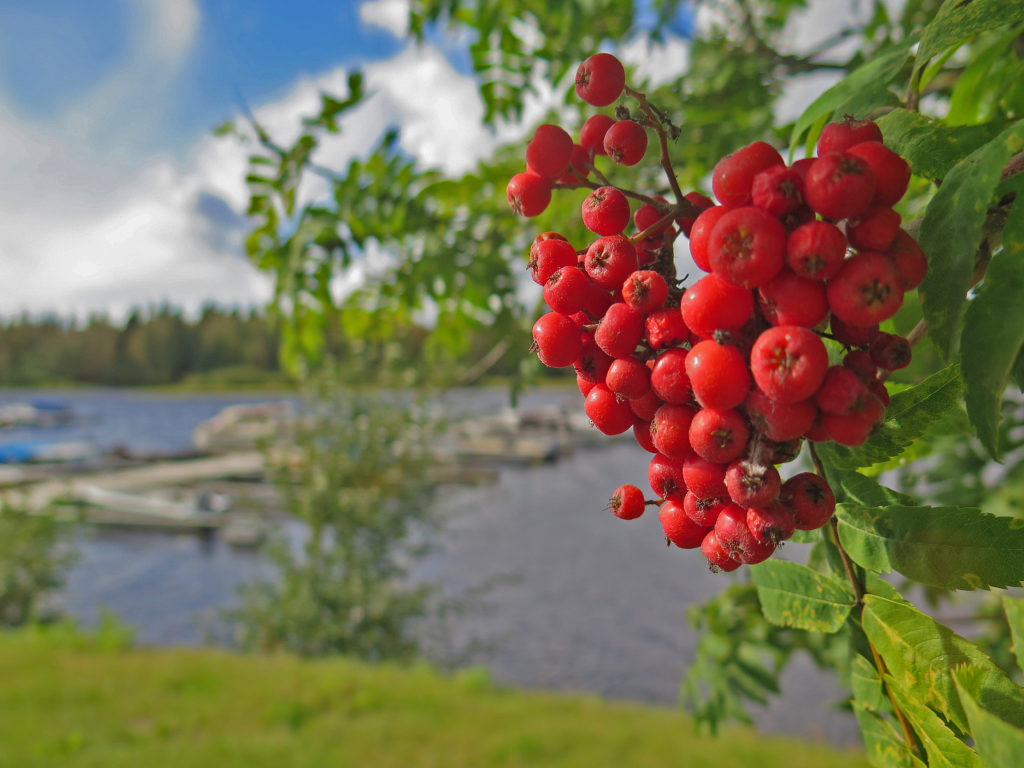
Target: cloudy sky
(113, 190)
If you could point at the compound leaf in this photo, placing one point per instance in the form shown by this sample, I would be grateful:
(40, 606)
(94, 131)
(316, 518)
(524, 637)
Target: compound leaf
(931, 147)
(999, 742)
(942, 746)
(793, 595)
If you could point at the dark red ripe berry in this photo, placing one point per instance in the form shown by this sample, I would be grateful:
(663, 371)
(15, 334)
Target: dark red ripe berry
(840, 136)
(549, 151)
(779, 421)
(670, 430)
(592, 364)
(701, 201)
(810, 499)
(566, 290)
(584, 385)
(718, 375)
(859, 361)
(600, 79)
(609, 261)
(747, 247)
(703, 512)
(645, 407)
(627, 502)
(852, 429)
(736, 538)
(788, 363)
(626, 142)
(770, 523)
(778, 190)
(668, 377)
(866, 290)
(642, 433)
(619, 330)
(890, 352)
(665, 328)
(599, 298)
(628, 378)
(816, 250)
(842, 391)
(711, 304)
(582, 163)
(593, 131)
(733, 178)
(678, 527)
(606, 211)
(557, 339)
(705, 479)
(873, 230)
(609, 414)
(892, 174)
(909, 260)
(717, 435)
(647, 215)
(852, 335)
(548, 256)
(751, 484)
(788, 299)
(700, 235)
(666, 476)
(528, 193)
(718, 558)
(645, 290)
(839, 186)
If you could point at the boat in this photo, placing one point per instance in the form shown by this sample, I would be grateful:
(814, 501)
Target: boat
(39, 412)
(42, 451)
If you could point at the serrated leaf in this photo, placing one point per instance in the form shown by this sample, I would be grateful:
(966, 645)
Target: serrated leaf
(793, 595)
(999, 742)
(1014, 610)
(867, 84)
(882, 743)
(971, 91)
(908, 416)
(866, 685)
(930, 146)
(960, 20)
(858, 489)
(952, 229)
(948, 547)
(920, 654)
(943, 748)
(994, 333)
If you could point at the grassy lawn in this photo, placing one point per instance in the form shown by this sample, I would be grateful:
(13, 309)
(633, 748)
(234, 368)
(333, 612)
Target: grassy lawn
(71, 704)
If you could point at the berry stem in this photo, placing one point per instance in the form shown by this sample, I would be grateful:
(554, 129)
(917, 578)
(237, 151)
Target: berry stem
(656, 120)
(604, 182)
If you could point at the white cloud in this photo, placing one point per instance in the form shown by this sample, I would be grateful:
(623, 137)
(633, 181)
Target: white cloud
(391, 15)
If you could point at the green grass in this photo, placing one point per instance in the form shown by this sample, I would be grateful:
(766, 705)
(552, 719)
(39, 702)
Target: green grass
(69, 703)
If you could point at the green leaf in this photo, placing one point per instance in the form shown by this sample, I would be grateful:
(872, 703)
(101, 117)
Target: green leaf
(1014, 609)
(930, 146)
(866, 685)
(952, 230)
(882, 743)
(908, 416)
(948, 547)
(858, 489)
(999, 742)
(972, 91)
(920, 654)
(942, 746)
(960, 20)
(994, 333)
(793, 595)
(861, 90)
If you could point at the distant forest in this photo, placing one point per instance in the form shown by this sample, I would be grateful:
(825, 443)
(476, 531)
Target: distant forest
(222, 347)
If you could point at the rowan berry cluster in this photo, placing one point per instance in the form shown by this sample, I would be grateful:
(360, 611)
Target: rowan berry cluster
(723, 380)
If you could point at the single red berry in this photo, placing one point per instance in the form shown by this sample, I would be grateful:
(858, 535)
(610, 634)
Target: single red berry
(669, 380)
(788, 299)
(866, 290)
(679, 528)
(752, 484)
(788, 363)
(779, 421)
(647, 215)
(859, 361)
(816, 250)
(528, 193)
(711, 304)
(593, 131)
(840, 136)
(599, 298)
(600, 79)
(778, 190)
(566, 290)
(620, 330)
(642, 433)
(890, 352)
(626, 142)
(816, 432)
(592, 363)
(842, 391)
(718, 558)
(645, 407)
(747, 247)
(892, 174)
(852, 429)
(666, 476)
(909, 260)
(629, 378)
(718, 435)
(736, 538)
(666, 328)
(733, 177)
(877, 387)
(839, 186)
(627, 502)
(784, 451)
(606, 211)
(718, 374)
(584, 384)
(703, 512)
(852, 335)
(557, 339)
(549, 151)
(700, 235)
(705, 479)
(609, 414)
(645, 290)
(873, 230)
(610, 260)
(580, 166)
(810, 499)
(771, 523)
(670, 430)
(548, 256)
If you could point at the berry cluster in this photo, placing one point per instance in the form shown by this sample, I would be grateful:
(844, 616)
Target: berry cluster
(722, 381)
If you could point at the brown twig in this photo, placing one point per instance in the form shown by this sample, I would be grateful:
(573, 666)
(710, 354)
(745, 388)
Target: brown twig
(656, 120)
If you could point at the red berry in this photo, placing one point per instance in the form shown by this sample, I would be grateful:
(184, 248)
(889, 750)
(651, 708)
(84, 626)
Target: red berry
(866, 290)
(645, 407)
(548, 256)
(666, 476)
(609, 261)
(718, 435)
(528, 193)
(581, 163)
(558, 340)
(584, 384)
(642, 433)
(665, 328)
(711, 304)
(718, 375)
(701, 201)
(626, 142)
(593, 131)
(810, 499)
(629, 378)
(670, 430)
(779, 421)
(704, 478)
(678, 527)
(627, 502)
(669, 379)
(839, 186)
(859, 361)
(549, 151)
(736, 538)
(600, 79)
(788, 363)
(890, 352)
(747, 247)
(566, 290)
(840, 136)
(892, 174)
(733, 177)
(718, 558)
(873, 230)
(852, 335)
(592, 364)
(852, 429)
(700, 235)
(778, 190)
(816, 250)
(645, 290)
(770, 523)
(788, 299)
(609, 414)
(620, 330)
(606, 211)
(842, 391)
(703, 512)
(752, 484)
(909, 260)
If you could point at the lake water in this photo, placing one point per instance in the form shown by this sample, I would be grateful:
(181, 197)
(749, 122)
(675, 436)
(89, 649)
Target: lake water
(598, 604)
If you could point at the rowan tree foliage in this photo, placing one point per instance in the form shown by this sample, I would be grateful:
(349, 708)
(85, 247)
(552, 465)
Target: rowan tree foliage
(924, 509)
